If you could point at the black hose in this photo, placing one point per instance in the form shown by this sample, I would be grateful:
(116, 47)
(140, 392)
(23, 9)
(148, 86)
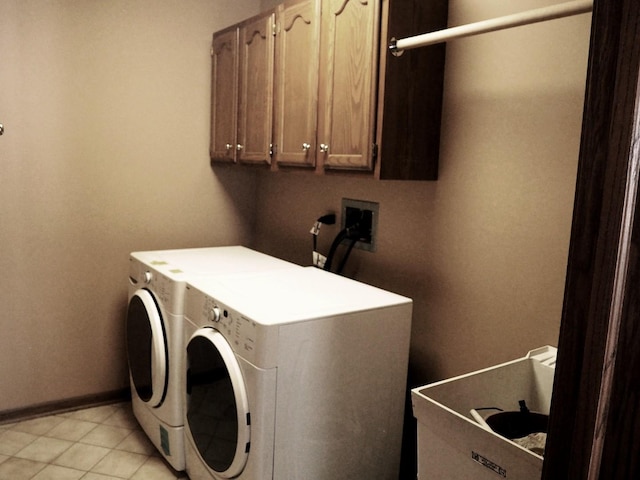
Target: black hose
(346, 255)
(334, 246)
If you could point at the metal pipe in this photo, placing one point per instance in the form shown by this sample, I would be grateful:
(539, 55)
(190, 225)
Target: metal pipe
(542, 14)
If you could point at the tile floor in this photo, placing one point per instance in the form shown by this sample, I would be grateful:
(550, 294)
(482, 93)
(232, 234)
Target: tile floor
(99, 443)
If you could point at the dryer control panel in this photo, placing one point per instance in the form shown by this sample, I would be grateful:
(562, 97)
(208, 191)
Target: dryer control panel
(249, 339)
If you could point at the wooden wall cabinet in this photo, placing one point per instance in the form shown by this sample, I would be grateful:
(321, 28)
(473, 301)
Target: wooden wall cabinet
(255, 107)
(296, 98)
(410, 92)
(342, 102)
(224, 95)
(348, 73)
(242, 91)
(326, 70)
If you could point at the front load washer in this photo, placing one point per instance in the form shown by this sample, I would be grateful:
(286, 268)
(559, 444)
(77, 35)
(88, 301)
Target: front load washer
(297, 374)
(157, 282)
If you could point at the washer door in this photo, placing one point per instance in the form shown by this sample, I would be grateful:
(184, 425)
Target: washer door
(147, 348)
(217, 406)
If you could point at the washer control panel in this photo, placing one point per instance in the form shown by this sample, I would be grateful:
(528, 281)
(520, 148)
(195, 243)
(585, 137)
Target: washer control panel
(154, 276)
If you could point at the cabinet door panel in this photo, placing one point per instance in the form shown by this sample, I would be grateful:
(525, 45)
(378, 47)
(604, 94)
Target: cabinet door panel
(297, 58)
(347, 83)
(256, 90)
(224, 104)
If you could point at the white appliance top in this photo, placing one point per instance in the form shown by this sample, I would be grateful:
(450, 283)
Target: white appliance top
(202, 261)
(293, 295)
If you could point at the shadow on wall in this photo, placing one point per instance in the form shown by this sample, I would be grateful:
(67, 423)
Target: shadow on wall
(237, 187)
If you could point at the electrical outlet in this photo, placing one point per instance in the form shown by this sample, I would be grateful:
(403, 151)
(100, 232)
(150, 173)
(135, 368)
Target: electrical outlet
(361, 218)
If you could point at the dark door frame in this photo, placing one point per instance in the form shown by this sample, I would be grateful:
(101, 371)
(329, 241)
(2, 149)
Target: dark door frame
(594, 430)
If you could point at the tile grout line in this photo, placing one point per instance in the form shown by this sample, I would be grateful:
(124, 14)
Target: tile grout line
(120, 417)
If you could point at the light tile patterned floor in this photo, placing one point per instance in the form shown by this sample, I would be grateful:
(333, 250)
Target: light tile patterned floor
(99, 443)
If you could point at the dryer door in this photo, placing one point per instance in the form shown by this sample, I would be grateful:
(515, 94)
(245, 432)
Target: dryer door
(218, 420)
(147, 348)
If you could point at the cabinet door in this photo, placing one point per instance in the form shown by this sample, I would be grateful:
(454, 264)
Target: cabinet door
(348, 69)
(224, 95)
(255, 112)
(296, 105)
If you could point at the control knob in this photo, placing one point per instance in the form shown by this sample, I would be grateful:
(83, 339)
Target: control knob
(214, 314)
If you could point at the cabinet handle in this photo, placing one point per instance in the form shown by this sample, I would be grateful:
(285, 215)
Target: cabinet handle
(239, 147)
(229, 146)
(324, 148)
(306, 147)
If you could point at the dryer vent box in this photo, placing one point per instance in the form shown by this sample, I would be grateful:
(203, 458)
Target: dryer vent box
(451, 444)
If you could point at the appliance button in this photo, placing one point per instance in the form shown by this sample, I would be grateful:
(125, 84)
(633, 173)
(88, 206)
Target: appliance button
(214, 314)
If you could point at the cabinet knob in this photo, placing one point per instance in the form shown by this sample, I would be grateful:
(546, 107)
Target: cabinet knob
(239, 147)
(229, 146)
(306, 147)
(1, 129)
(324, 148)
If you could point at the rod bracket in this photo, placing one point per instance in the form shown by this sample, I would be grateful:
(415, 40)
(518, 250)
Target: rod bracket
(393, 47)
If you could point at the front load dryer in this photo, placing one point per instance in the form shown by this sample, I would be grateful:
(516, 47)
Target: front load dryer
(297, 374)
(157, 282)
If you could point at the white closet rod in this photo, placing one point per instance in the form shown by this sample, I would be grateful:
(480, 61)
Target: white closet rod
(552, 12)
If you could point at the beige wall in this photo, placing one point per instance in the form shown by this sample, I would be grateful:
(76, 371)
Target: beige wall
(483, 250)
(106, 110)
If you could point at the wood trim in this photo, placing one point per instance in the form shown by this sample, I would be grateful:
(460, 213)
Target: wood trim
(589, 415)
(66, 405)
(620, 447)
(410, 93)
